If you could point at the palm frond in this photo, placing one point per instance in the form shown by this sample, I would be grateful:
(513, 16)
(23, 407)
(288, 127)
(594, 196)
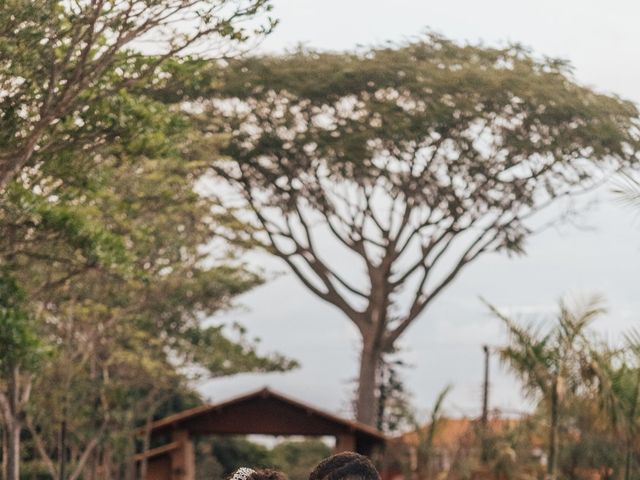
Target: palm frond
(574, 319)
(436, 416)
(528, 353)
(627, 190)
(632, 340)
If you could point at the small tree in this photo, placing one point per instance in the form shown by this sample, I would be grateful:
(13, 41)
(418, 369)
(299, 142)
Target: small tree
(619, 395)
(416, 160)
(20, 349)
(550, 363)
(394, 411)
(426, 436)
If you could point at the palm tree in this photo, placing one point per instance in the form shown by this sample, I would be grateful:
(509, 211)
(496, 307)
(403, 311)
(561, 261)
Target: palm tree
(425, 435)
(619, 378)
(632, 400)
(549, 362)
(625, 381)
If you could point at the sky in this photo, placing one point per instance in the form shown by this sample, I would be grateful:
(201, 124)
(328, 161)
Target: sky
(599, 255)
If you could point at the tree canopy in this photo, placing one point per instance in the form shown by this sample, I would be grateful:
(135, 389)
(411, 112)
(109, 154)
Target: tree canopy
(61, 60)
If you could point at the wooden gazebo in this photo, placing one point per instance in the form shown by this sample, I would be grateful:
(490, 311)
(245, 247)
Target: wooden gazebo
(262, 412)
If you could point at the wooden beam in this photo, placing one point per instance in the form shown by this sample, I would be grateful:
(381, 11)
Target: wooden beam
(154, 452)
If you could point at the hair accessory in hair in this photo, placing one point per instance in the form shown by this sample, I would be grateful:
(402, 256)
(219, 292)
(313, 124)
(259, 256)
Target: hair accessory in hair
(243, 474)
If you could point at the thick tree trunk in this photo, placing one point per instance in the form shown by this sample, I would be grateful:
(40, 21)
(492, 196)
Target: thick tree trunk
(5, 441)
(366, 404)
(13, 450)
(62, 443)
(12, 403)
(628, 459)
(130, 464)
(107, 465)
(39, 446)
(144, 463)
(552, 465)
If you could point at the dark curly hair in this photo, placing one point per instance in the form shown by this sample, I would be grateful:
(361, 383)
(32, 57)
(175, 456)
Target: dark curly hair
(345, 466)
(268, 474)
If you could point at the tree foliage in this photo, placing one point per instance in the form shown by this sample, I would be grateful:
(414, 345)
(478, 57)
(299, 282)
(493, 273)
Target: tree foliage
(21, 346)
(114, 260)
(61, 61)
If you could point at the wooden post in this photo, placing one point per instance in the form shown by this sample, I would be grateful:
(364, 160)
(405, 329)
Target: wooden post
(345, 443)
(485, 388)
(183, 459)
(485, 406)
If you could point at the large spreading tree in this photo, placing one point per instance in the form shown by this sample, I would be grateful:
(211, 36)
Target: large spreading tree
(416, 159)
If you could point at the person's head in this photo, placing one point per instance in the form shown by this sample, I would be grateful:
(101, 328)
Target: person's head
(345, 466)
(258, 474)
(268, 474)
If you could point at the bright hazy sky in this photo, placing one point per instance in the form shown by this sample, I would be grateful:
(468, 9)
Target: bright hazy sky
(444, 346)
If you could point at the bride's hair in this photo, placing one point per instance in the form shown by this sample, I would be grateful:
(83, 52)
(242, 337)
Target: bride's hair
(259, 474)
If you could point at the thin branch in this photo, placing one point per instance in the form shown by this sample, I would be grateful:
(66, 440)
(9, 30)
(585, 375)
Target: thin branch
(40, 448)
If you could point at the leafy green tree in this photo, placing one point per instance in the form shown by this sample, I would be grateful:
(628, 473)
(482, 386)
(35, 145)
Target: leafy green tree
(592, 443)
(297, 458)
(207, 465)
(628, 391)
(113, 258)
(426, 435)
(415, 159)
(62, 60)
(619, 395)
(101, 229)
(550, 363)
(145, 338)
(21, 350)
(235, 452)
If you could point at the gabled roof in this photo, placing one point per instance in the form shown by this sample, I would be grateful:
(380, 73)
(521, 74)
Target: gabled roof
(264, 412)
